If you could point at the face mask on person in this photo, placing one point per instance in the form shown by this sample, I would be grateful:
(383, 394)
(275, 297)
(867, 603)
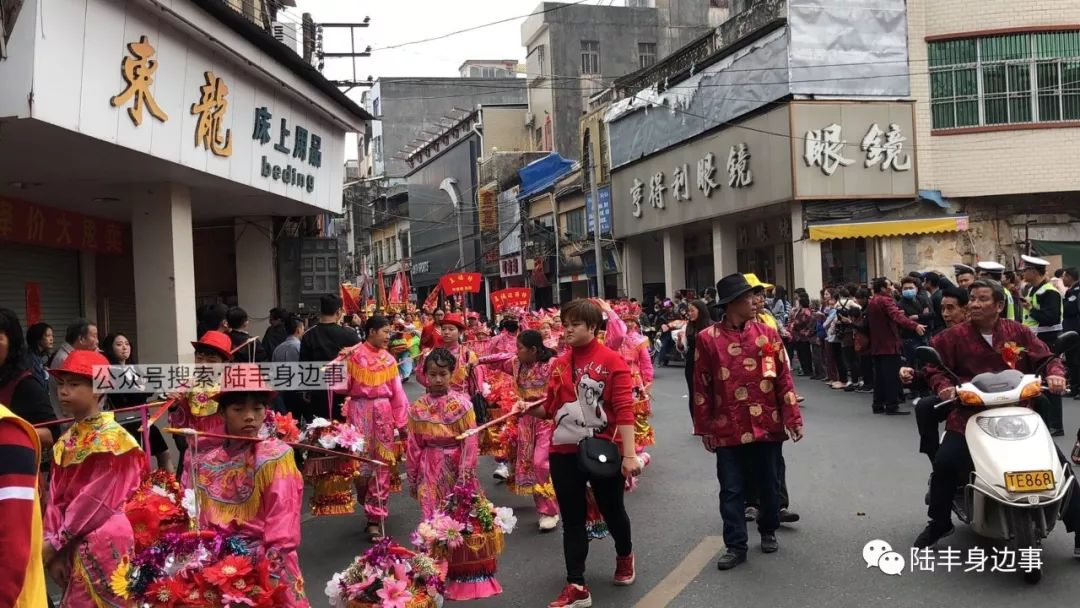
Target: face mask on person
(908, 293)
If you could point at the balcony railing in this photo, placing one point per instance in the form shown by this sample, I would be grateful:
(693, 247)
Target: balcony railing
(762, 17)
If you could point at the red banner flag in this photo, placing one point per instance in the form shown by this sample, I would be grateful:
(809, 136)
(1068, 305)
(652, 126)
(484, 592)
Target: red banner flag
(511, 297)
(396, 294)
(380, 290)
(350, 298)
(432, 300)
(538, 277)
(33, 303)
(460, 282)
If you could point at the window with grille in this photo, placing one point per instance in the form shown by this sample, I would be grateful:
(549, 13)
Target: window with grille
(1008, 79)
(646, 52)
(575, 223)
(590, 57)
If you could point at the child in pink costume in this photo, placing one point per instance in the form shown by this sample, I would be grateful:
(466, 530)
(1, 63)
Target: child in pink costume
(96, 466)
(531, 367)
(255, 488)
(378, 407)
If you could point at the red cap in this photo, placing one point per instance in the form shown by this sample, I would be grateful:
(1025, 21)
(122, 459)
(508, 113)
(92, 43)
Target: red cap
(453, 318)
(81, 363)
(474, 315)
(216, 340)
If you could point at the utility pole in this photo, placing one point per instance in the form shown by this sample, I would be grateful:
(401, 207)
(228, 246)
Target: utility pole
(558, 252)
(596, 226)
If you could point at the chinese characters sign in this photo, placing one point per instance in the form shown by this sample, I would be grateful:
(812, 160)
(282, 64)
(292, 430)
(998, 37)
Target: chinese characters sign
(211, 107)
(845, 150)
(738, 171)
(511, 297)
(138, 72)
(605, 210)
(460, 282)
(29, 224)
(303, 146)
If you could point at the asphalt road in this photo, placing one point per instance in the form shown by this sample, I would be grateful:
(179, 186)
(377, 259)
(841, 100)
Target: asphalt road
(856, 477)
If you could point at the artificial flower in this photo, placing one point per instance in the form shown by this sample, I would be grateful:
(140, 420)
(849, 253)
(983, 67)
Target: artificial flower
(394, 593)
(166, 593)
(189, 503)
(318, 423)
(118, 582)
(505, 519)
(230, 600)
(328, 441)
(334, 591)
(227, 571)
(350, 438)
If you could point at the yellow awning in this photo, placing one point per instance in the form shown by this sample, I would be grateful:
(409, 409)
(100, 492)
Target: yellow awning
(954, 223)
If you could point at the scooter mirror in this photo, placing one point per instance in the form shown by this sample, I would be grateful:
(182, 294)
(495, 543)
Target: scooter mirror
(1066, 342)
(927, 354)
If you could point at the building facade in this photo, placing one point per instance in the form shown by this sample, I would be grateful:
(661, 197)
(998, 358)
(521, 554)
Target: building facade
(997, 105)
(760, 182)
(575, 50)
(187, 134)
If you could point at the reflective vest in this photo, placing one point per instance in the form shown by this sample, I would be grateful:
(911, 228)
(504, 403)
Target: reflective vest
(768, 319)
(1034, 298)
(33, 591)
(1010, 306)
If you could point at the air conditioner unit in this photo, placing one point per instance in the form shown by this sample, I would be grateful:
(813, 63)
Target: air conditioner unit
(530, 119)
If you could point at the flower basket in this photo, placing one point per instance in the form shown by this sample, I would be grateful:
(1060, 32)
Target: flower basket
(331, 478)
(388, 574)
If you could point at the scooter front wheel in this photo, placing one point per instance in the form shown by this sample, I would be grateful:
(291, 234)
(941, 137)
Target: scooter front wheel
(1027, 535)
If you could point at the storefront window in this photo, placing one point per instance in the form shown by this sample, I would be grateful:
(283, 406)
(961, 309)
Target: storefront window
(843, 261)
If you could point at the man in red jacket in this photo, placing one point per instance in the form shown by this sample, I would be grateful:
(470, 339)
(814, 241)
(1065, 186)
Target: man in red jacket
(885, 319)
(967, 350)
(744, 408)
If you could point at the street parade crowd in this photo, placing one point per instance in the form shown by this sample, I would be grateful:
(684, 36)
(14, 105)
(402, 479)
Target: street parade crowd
(560, 399)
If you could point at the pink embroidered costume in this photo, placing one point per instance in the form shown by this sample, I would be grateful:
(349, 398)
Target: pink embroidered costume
(530, 474)
(378, 407)
(255, 488)
(467, 377)
(436, 459)
(634, 348)
(96, 467)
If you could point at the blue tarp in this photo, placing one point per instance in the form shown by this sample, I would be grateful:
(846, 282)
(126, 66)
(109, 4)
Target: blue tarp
(542, 173)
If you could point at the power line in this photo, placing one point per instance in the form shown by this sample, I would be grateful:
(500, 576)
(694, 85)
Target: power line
(477, 27)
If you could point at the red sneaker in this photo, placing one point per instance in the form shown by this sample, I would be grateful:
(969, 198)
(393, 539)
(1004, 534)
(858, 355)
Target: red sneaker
(624, 570)
(573, 596)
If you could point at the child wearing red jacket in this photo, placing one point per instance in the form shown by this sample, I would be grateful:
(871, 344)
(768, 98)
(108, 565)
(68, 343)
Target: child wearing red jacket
(589, 394)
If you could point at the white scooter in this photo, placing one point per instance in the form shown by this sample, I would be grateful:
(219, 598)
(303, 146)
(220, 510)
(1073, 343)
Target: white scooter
(1019, 486)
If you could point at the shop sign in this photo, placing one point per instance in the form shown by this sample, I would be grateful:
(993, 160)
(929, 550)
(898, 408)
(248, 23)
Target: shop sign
(710, 176)
(29, 224)
(511, 266)
(421, 267)
(604, 194)
(306, 146)
(853, 149)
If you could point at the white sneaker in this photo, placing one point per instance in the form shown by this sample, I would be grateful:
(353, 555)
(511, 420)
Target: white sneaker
(548, 522)
(502, 472)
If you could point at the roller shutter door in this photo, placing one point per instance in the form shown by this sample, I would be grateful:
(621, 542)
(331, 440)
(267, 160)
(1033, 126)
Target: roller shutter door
(56, 271)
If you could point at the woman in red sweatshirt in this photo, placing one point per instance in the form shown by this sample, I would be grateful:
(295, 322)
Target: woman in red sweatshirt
(589, 394)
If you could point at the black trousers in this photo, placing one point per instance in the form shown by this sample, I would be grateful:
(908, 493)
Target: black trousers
(752, 488)
(927, 419)
(1051, 410)
(763, 459)
(866, 365)
(886, 380)
(806, 358)
(838, 359)
(851, 363)
(570, 492)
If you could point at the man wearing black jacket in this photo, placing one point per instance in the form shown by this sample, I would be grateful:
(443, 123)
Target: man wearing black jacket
(917, 307)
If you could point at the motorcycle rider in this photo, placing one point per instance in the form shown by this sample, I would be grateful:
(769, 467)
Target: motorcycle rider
(971, 348)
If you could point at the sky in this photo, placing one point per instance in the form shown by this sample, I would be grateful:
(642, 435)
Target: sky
(394, 22)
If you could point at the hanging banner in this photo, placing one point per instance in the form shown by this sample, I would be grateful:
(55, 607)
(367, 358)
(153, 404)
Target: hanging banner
(380, 287)
(460, 282)
(33, 303)
(511, 297)
(350, 298)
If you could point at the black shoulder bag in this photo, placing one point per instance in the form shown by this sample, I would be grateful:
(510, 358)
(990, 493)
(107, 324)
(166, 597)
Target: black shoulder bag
(596, 457)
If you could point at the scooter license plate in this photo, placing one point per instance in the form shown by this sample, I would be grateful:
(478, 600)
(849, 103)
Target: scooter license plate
(1029, 481)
